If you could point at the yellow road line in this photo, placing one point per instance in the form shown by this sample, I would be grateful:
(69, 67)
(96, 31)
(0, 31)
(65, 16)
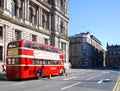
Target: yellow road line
(117, 85)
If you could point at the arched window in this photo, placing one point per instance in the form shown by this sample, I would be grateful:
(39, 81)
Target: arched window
(62, 5)
(45, 19)
(33, 9)
(13, 4)
(58, 3)
(30, 14)
(35, 16)
(61, 26)
(1, 4)
(17, 8)
(21, 9)
(49, 1)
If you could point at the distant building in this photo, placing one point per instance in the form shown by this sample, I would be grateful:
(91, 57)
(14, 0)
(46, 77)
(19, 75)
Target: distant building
(85, 50)
(113, 56)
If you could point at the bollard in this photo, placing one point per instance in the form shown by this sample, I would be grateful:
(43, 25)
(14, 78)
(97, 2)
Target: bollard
(49, 77)
(66, 74)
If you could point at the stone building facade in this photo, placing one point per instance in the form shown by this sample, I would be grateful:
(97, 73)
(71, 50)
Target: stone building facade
(85, 51)
(113, 56)
(44, 21)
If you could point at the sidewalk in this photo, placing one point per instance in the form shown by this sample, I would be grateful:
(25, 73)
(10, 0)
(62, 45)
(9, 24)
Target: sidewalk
(2, 74)
(72, 70)
(117, 85)
(1, 66)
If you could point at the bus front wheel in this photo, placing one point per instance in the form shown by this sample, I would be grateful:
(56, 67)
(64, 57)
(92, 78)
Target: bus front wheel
(38, 74)
(62, 72)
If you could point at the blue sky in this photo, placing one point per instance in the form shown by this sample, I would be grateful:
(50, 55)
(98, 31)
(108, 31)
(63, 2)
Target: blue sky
(100, 17)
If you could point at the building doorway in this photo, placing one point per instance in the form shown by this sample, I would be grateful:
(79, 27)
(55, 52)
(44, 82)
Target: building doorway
(1, 53)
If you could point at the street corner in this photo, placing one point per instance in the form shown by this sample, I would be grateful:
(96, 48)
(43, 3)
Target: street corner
(117, 85)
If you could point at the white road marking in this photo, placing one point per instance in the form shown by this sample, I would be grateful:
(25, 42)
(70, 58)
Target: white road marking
(100, 81)
(90, 78)
(70, 86)
(105, 72)
(70, 78)
(103, 80)
(20, 83)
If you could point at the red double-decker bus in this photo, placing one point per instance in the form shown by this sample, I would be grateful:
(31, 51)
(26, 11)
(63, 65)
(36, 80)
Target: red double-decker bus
(28, 59)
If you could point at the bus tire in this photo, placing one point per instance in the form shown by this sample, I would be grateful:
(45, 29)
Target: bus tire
(62, 72)
(39, 74)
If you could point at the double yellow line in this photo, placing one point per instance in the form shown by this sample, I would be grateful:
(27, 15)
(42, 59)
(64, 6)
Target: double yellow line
(117, 85)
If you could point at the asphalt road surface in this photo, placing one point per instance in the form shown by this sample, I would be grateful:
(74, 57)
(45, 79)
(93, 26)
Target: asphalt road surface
(77, 80)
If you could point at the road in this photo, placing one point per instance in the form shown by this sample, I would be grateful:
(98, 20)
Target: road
(77, 80)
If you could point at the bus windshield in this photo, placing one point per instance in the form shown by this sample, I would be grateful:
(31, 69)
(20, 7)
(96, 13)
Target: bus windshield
(13, 45)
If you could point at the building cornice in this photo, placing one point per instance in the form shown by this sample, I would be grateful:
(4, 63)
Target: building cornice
(22, 23)
(59, 12)
(43, 4)
(60, 36)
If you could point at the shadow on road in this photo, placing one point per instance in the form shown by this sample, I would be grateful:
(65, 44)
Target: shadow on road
(100, 68)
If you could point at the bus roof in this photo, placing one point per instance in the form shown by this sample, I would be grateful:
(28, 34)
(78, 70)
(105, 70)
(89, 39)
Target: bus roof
(25, 40)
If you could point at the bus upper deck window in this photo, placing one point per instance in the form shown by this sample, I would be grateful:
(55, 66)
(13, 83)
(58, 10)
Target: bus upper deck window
(53, 49)
(59, 51)
(27, 44)
(34, 46)
(48, 49)
(42, 47)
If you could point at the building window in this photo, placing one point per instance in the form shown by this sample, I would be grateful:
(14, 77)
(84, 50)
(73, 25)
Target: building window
(34, 38)
(13, 8)
(17, 8)
(62, 5)
(1, 33)
(84, 39)
(18, 34)
(21, 9)
(33, 13)
(45, 19)
(62, 27)
(110, 52)
(114, 52)
(1, 5)
(118, 52)
(63, 46)
(58, 3)
(48, 1)
(57, 23)
(35, 17)
(84, 47)
(84, 54)
(46, 41)
(1, 53)
(30, 15)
